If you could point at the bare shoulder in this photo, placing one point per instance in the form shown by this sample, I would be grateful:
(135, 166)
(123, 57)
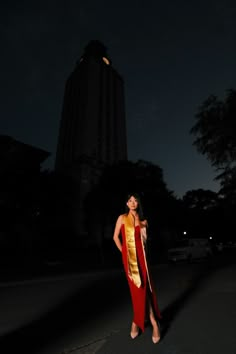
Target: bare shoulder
(120, 219)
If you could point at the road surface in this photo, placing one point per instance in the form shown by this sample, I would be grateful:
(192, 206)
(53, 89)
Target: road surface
(91, 312)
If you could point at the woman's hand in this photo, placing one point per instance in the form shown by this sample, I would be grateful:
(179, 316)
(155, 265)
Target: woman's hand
(144, 223)
(116, 235)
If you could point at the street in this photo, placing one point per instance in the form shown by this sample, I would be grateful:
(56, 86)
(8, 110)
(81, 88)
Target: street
(91, 312)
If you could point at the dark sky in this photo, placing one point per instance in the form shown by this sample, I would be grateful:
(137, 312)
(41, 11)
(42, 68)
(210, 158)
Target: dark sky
(171, 54)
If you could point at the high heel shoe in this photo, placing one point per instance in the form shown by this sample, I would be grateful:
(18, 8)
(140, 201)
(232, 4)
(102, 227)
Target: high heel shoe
(133, 333)
(154, 338)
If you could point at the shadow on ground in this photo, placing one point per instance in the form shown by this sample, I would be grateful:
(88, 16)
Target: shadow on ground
(172, 310)
(93, 301)
(75, 312)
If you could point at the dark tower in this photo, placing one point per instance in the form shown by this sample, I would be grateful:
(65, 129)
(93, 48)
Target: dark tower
(93, 116)
(93, 125)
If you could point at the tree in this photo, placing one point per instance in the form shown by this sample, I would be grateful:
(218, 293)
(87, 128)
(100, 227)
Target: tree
(107, 199)
(202, 212)
(200, 199)
(215, 130)
(215, 137)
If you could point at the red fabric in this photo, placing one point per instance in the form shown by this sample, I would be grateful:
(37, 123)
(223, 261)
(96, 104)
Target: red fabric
(139, 295)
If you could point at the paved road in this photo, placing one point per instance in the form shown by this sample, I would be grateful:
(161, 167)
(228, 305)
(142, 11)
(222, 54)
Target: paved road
(91, 313)
(203, 322)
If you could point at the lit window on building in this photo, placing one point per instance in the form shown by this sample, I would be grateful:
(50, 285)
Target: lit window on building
(106, 61)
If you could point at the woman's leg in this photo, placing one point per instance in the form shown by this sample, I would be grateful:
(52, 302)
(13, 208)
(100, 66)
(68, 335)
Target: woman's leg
(134, 330)
(156, 335)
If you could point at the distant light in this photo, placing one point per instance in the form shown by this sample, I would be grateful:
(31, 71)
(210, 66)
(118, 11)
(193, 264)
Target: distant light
(210, 237)
(185, 232)
(106, 61)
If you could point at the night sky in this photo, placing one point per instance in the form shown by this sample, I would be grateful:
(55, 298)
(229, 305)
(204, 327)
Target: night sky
(171, 54)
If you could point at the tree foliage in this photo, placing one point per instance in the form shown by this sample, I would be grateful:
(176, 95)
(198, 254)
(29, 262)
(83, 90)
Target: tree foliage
(215, 137)
(200, 199)
(215, 130)
(109, 195)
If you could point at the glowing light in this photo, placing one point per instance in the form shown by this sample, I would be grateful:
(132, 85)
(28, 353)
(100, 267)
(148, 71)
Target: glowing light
(106, 61)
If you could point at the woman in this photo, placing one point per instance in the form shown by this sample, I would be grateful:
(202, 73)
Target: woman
(131, 226)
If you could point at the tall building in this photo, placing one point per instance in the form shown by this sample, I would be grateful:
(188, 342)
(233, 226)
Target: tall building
(93, 122)
(93, 126)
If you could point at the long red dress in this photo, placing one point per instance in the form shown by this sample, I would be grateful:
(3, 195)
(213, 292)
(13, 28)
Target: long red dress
(137, 272)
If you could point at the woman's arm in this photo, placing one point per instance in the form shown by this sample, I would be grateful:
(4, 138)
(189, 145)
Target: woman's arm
(116, 235)
(144, 225)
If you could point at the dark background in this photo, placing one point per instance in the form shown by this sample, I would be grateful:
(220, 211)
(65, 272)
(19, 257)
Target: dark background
(171, 55)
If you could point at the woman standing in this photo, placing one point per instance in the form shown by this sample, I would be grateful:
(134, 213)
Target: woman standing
(131, 226)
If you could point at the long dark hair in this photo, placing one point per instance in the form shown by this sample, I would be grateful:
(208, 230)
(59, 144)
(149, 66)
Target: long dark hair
(139, 209)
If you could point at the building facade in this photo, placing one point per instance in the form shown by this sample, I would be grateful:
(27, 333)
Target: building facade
(92, 130)
(93, 122)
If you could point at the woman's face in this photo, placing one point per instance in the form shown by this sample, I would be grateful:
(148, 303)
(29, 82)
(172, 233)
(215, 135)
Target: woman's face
(132, 203)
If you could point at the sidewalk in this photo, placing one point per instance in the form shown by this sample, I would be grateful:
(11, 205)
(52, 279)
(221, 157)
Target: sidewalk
(28, 269)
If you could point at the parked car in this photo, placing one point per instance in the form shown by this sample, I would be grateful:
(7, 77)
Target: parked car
(219, 246)
(189, 249)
